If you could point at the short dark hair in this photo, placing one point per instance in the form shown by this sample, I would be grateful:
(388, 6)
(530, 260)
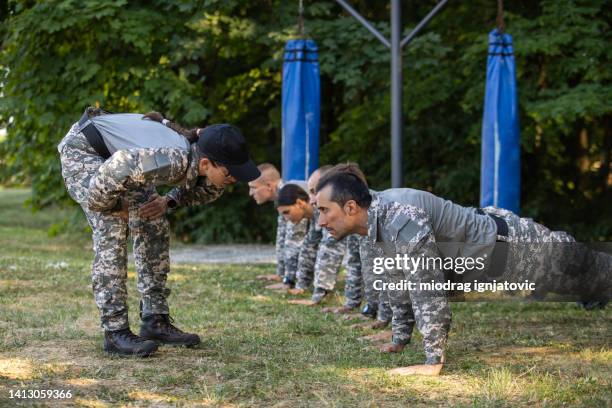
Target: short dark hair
(346, 186)
(289, 194)
(352, 168)
(324, 169)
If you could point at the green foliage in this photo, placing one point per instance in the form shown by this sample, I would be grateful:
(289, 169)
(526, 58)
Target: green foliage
(220, 61)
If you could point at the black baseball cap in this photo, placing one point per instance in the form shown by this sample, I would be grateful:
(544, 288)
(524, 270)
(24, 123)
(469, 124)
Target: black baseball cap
(224, 144)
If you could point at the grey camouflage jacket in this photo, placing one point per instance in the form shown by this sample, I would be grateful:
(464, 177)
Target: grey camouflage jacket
(151, 167)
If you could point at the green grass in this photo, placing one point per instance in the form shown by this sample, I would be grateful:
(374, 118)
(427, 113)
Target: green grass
(259, 351)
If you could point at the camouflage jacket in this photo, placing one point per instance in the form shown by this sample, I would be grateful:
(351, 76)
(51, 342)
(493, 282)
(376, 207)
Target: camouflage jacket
(310, 245)
(151, 167)
(397, 228)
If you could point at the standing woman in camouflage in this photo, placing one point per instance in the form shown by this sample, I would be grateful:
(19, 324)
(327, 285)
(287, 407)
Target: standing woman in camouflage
(111, 164)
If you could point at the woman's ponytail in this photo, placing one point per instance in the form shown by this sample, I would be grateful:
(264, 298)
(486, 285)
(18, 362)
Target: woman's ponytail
(191, 134)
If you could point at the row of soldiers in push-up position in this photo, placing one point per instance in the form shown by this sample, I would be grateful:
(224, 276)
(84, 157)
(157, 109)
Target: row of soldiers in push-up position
(416, 223)
(112, 164)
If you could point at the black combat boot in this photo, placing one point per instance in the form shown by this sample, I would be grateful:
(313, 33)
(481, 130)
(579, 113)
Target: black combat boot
(126, 344)
(159, 328)
(287, 281)
(370, 311)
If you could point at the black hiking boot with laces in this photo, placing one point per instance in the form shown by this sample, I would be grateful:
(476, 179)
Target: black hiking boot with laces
(124, 343)
(159, 328)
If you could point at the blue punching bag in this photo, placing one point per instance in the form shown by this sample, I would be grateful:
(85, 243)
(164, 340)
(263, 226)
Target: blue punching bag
(301, 109)
(500, 173)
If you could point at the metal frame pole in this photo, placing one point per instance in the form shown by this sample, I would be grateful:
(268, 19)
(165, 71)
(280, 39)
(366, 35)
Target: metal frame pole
(423, 23)
(396, 95)
(365, 22)
(396, 46)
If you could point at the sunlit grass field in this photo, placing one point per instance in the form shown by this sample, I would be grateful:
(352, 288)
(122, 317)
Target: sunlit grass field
(257, 350)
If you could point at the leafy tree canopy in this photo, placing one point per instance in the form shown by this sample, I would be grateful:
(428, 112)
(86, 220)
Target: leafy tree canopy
(210, 61)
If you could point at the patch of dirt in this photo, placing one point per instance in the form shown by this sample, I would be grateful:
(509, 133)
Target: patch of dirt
(81, 366)
(432, 391)
(548, 358)
(19, 283)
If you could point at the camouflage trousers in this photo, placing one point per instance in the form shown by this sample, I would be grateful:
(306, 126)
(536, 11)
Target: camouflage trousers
(378, 299)
(110, 238)
(293, 239)
(306, 264)
(328, 263)
(281, 230)
(553, 260)
(430, 310)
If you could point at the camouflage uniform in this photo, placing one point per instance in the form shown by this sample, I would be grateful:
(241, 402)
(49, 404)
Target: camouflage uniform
(308, 253)
(438, 211)
(289, 239)
(320, 256)
(376, 298)
(98, 186)
(329, 261)
(396, 228)
(353, 287)
(553, 260)
(550, 259)
(281, 230)
(294, 237)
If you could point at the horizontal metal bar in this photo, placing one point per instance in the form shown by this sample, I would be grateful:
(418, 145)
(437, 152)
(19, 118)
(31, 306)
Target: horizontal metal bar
(365, 22)
(423, 23)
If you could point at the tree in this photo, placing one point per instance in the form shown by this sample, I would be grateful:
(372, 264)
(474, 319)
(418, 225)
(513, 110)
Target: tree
(211, 61)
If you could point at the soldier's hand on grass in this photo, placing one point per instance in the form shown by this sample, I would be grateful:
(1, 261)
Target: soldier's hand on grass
(278, 286)
(337, 310)
(303, 302)
(154, 208)
(270, 277)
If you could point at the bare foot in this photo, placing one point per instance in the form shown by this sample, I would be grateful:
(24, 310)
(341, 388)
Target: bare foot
(338, 310)
(304, 302)
(270, 278)
(392, 348)
(296, 291)
(384, 336)
(278, 286)
(421, 369)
